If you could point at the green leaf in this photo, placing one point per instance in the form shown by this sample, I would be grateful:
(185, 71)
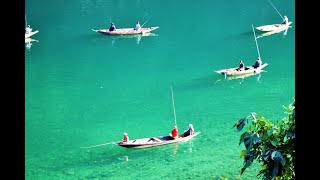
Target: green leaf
(262, 123)
(276, 156)
(283, 162)
(243, 152)
(264, 166)
(242, 170)
(273, 142)
(242, 137)
(240, 124)
(250, 139)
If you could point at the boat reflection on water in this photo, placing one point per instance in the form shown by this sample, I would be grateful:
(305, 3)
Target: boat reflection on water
(274, 32)
(28, 42)
(175, 148)
(138, 37)
(242, 77)
(246, 75)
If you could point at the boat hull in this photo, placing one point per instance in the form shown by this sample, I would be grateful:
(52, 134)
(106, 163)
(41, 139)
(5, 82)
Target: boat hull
(235, 72)
(274, 27)
(155, 141)
(30, 34)
(125, 31)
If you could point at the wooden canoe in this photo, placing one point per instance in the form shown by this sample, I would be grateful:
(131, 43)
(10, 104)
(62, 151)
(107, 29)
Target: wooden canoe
(235, 72)
(125, 31)
(30, 34)
(155, 141)
(273, 27)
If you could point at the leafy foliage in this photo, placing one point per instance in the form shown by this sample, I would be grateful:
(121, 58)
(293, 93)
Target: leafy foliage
(271, 144)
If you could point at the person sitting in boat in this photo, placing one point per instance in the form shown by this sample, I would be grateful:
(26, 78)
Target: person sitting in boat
(258, 63)
(241, 66)
(28, 29)
(138, 27)
(125, 137)
(285, 20)
(174, 133)
(188, 132)
(112, 27)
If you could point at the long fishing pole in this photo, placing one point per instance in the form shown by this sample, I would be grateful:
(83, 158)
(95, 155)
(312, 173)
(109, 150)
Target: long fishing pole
(99, 145)
(174, 109)
(25, 17)
(146, 21)
(109, 19)
(275, 9)
(256, 41)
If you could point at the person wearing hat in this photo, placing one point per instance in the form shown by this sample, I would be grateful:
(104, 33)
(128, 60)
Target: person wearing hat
(174, 133)
(258, 63)
(285, 20)
(112, 27)
(28, 29)
(138, 27)
(125, 137)
(189, 132)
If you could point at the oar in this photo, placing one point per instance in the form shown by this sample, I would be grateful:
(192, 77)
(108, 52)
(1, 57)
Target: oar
(100, 145)
(275, 9)
(256, 41)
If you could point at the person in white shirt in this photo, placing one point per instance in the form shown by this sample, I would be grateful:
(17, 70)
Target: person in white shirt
(28, 29)
(285, 20)
(138, 27)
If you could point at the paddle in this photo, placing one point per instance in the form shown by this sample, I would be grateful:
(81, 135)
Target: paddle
(100, 145)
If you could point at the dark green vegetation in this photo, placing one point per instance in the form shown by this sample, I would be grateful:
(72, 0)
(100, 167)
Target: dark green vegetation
(271, 144)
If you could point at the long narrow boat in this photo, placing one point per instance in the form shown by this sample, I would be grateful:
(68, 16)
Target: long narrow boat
(274, 27)
(125, 31)
(155, 141)
(27, 35)
(236, 72)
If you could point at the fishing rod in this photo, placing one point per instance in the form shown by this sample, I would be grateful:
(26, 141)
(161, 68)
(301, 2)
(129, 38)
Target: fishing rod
(174, 109)
(256, 41)
(146, 21)
(275, 9)
(25, 17)
(109, 19)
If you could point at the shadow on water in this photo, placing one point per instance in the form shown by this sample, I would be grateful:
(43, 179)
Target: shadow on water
(96, 37)
(209, 81)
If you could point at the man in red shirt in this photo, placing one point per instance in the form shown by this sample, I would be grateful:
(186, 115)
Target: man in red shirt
(125, 137)
(174, 132)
